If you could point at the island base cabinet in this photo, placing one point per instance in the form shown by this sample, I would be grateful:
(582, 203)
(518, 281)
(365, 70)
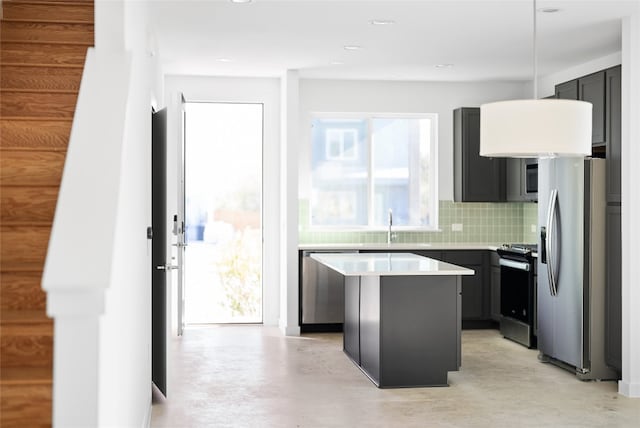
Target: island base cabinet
(370, 287)
(351, 327)
(409, 329)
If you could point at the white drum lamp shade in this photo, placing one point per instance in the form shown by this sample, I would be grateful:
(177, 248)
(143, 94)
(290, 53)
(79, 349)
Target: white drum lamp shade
(535, 128)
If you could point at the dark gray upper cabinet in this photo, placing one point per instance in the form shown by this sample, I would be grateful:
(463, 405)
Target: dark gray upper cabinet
(613, 126)
(591, 89)
(567, 90)
(514, 180)
(476, 178)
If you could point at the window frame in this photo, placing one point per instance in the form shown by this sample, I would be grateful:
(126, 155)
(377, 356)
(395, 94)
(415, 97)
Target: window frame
(432, 174)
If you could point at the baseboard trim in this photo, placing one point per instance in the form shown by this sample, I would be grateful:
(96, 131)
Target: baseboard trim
(288, 330)
(631, 390)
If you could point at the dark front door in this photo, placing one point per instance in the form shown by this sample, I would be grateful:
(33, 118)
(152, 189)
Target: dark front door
(159, 250)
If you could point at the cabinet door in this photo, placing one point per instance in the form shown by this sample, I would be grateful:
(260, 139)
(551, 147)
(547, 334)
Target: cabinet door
(514, 177)
(495, 287)
(613, 107)
(473, 295)
(475, 289)
(613, 296)
(567, 90)
(591, 89)
(477, 178)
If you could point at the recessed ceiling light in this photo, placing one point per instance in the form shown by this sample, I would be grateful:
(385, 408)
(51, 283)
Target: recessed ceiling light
(382, 22)
(241, 1)
(444, 65)
(549, 10)
(352, 47)
(224, 60)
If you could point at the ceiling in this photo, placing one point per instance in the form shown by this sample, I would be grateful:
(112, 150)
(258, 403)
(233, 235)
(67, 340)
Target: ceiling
(482, 40)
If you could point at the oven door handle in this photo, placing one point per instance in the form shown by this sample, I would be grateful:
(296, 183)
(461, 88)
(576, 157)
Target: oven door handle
(515, 265)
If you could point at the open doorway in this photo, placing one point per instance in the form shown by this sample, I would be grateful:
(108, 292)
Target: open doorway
(223, 213)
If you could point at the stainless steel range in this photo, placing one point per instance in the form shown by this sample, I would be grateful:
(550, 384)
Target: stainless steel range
(518, 293)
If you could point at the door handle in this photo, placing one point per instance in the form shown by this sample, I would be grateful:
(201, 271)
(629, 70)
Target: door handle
(166, 267)
(179, 245)
(551, 266)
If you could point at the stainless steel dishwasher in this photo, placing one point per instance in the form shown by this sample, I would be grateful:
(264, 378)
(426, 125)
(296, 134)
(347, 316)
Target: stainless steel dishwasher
(322, 294)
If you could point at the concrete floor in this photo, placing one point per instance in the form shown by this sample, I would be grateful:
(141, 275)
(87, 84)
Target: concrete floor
(251, 376)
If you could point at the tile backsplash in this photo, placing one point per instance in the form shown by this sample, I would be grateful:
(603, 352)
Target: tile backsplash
(481, 222)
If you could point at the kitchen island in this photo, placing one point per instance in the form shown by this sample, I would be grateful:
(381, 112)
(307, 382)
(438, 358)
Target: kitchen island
(402, 316)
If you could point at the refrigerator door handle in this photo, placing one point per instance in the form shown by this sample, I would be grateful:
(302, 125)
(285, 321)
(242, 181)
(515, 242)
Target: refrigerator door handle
(551, 269)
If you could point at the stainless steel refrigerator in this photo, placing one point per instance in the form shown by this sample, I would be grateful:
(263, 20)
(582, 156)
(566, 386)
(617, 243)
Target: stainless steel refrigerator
(571, 265)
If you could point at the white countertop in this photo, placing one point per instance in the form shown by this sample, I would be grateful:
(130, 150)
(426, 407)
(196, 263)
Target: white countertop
(403, 246)
(387, 264)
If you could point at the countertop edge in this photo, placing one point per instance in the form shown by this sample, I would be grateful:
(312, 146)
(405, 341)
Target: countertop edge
(400, 246)
(451, 270)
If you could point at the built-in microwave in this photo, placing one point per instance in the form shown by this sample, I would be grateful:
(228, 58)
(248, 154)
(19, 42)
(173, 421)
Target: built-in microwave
(531, 177)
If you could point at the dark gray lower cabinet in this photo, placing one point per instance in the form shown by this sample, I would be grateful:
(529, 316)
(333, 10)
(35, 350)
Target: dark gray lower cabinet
(495, 286)
(409, 328)
(476, 289)
(613, 297)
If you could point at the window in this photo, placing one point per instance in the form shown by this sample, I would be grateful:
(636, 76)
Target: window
(341, 144)
(362, 166)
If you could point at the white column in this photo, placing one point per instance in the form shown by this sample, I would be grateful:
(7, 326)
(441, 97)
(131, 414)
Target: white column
(76, 351)
(630, 383)
(289, 204)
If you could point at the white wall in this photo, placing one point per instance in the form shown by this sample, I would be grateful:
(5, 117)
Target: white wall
(630, 383)
(125, 376)
(241, 90)
(125, 327)
(397, 97)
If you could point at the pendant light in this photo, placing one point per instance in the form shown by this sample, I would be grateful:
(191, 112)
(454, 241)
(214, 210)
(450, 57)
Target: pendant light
(535, 128)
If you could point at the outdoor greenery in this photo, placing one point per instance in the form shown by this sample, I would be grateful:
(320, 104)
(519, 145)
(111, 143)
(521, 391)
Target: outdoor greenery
(240, 273)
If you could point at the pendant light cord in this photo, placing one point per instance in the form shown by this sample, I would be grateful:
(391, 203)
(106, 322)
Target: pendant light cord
(535, 54)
